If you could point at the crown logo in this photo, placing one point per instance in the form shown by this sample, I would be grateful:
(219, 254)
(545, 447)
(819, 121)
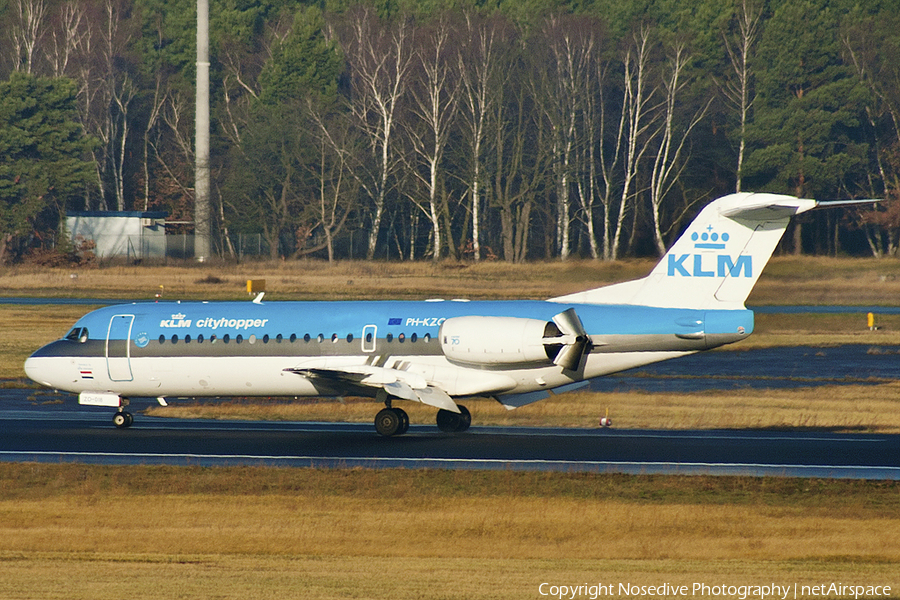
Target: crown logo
(709, 239)
(178, 317)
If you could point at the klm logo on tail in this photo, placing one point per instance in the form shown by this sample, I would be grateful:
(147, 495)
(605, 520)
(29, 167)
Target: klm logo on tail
(709, 264)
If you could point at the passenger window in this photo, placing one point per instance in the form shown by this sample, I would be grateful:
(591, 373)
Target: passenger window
(278, 338)
(306, 338)
(174, 339)
(401, 338)
(293, 337)
(226, 338)
(162, 339)
(200, 339)
(390, 337)
(334, 338)
(187, 339)
(413, 338)
(239, 339)
(349, 337)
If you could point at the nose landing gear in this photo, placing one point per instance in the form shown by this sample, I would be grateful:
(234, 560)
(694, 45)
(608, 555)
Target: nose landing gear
(122, 419)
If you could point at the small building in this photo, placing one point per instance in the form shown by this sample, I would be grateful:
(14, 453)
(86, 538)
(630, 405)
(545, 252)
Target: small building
(135, 235)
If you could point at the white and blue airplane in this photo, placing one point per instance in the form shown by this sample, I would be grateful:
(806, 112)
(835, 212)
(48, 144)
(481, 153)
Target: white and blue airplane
(433, 352)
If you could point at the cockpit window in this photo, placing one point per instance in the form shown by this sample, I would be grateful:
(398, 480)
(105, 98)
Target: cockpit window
(78, 334)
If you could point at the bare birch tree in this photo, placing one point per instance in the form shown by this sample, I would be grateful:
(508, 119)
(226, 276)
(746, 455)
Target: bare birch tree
(738, 90)
(379, 55)
(26, 30)
(636, 106)
(434, 95)
(668, 164)
(481, 76)
(571, 45)
(67, 37)
(106, 93)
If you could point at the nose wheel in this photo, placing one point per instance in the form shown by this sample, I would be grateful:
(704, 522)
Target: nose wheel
(122, 419)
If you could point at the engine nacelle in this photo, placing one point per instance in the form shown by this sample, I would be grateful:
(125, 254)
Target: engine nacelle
(497, 340)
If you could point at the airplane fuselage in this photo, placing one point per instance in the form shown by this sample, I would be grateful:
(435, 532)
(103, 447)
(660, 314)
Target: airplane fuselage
(176, 349)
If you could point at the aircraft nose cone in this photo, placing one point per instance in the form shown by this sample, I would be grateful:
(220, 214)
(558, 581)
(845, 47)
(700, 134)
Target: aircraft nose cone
(35, 371)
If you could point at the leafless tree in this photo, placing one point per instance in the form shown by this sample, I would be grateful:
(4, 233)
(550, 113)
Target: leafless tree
(668, 163)
(481, 75)
(520, 160)
(571, 44)
(26, 30)
(434, 99)
(380, 56)
(636, 109)
(336, 188)
(106, 94)
(738, 90)
(67, 37)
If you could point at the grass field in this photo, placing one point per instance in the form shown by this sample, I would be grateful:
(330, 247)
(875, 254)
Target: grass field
(785, 280)
(159, 532)
(103, 533)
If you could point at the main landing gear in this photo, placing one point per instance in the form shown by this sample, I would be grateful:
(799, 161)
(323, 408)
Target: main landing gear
(452, 422)
(391, 421)
(394, 421)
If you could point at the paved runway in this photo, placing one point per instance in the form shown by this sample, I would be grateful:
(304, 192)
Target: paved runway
(50, 428)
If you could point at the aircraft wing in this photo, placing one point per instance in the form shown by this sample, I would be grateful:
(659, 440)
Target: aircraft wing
(401, 384)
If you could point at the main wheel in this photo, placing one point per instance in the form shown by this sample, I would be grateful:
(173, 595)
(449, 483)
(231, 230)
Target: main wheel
(448, 421)
(452, 422)
(465, 418)
(387, 422)
(404, 421)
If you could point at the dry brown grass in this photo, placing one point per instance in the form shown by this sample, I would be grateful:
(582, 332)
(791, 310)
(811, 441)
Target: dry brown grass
(105, 576)
(316, 280)
(77, 532)
(785, 280)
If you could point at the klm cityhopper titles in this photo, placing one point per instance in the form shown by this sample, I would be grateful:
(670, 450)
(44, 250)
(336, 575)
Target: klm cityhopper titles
(435, 352)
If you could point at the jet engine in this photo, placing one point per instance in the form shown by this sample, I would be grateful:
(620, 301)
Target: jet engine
(506, 341)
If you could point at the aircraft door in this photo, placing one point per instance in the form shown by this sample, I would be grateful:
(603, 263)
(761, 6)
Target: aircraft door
(118, 348)
(369, 338)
